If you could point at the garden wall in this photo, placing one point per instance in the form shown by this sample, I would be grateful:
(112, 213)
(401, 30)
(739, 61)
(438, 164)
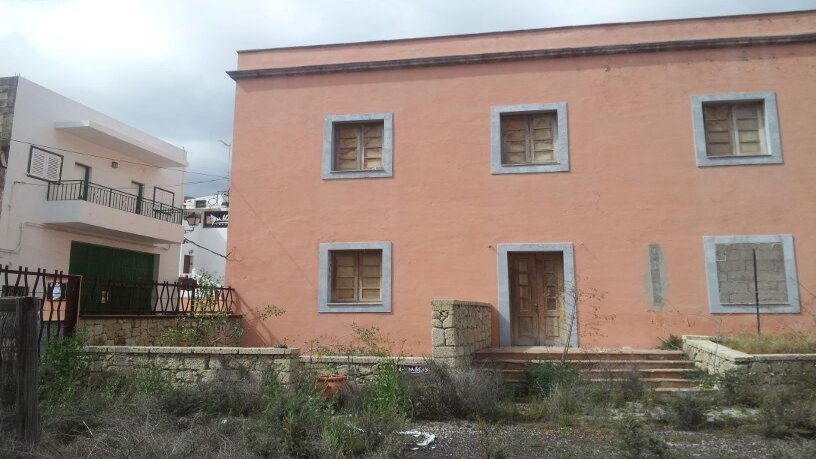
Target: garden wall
(715, 358)
(358, 368)
(132, 330)
(195, 364)
(459, 329)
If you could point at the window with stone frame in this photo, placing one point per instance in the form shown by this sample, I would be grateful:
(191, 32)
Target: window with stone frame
(736, 277)
(528, 139)
(735, 129)
(358, 146)
(356, 276)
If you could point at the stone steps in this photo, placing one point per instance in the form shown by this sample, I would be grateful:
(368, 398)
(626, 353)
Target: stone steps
(663, 371)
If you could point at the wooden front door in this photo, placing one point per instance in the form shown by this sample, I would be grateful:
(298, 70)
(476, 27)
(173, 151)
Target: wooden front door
(537, 298)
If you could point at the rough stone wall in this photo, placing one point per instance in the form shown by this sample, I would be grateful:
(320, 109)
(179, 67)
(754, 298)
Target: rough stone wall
(735, 273)
(717, 359)
(459, 329)
(8, 95)
(184, 365)
(133, 330)
(358, 368)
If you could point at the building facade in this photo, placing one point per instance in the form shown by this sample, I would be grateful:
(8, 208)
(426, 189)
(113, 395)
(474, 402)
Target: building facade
(601, 185)
(84, 193)
(205, 243)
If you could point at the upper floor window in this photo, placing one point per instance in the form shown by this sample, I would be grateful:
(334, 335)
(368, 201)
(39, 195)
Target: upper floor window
(732, 129)
(529, 138)
(45, 165)
(357, 146)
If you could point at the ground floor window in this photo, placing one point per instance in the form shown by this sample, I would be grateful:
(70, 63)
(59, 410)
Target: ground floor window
(355, 277)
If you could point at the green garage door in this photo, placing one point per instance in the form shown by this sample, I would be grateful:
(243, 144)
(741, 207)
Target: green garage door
(112, 278)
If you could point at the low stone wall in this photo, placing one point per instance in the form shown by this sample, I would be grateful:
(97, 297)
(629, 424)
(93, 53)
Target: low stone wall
(717, 359)
(133, 330)
(358, 368)
(195, 364)
(459, 329)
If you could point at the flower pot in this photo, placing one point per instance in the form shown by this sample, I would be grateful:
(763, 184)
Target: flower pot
(328, 386)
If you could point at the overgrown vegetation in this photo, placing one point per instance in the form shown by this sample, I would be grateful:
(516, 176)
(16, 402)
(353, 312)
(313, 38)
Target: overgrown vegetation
(63, 368)
(790, 343)
(672, 343)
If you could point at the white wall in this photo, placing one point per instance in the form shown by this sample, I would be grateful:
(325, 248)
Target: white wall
(25, 236)
(214, 239)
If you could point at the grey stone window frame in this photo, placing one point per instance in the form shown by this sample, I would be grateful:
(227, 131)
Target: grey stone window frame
(771, 114)
(789, 259)
(324, 278)
(561, 143)
(329, 121)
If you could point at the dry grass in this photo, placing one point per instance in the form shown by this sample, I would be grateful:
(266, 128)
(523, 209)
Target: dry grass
(791, 343)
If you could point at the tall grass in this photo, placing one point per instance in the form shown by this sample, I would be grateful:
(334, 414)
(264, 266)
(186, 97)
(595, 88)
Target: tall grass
(790, 343)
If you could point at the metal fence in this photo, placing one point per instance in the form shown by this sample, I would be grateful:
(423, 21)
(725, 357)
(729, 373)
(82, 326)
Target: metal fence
(114, 297)
(58, 294)
(73, 190)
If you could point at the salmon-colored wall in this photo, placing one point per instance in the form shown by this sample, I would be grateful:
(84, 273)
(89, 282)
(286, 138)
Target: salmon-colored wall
(633, 182)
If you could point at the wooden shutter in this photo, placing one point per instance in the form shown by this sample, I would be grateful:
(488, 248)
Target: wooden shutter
(356, 276)
(372, 146)
(358, 146)
(528, 139)
(45, 165)
(37, 163)
(346, 147)
(734, 129)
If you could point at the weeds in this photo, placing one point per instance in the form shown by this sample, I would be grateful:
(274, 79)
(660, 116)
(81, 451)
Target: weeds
(63, 367)
(686, 411)
(541, 377)
(791, 343)
(672, 343)
(637, 441)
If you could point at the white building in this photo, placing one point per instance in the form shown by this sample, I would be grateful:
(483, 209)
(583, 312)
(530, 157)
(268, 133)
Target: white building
(205, 243)
(84, 193)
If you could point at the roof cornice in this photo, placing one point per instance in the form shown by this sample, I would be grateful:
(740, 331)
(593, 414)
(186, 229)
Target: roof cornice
(508, 56)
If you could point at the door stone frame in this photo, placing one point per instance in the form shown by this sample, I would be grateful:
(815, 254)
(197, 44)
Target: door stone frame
(567, 251)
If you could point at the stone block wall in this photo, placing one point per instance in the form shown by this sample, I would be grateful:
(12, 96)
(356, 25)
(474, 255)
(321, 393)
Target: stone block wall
(717, 359)
(459, 329)
(358, 368)
(185, 365)
(133, 330)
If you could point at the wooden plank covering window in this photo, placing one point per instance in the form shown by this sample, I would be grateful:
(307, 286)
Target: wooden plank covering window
(356, 276)
(528, 139)
(358, 146)
(734, 129)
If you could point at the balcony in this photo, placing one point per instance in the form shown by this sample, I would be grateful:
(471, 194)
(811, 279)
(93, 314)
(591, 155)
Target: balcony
(88, 206)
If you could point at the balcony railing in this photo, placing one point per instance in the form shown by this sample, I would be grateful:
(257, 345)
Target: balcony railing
(80, 190)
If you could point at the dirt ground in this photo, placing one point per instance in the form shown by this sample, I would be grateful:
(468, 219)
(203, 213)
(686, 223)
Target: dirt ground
(459, 439)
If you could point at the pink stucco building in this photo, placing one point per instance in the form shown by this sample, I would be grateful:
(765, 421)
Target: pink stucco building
(618, 177)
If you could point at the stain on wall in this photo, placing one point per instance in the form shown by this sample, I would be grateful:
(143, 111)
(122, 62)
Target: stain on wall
(655, 278)
(8, 93)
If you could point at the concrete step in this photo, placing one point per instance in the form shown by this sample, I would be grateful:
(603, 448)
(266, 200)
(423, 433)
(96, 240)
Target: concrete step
(553, 353)
(513, 364)
(651, 383)
(616, 374)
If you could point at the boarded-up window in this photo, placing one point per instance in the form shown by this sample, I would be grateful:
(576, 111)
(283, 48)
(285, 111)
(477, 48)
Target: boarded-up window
(528, 139)
(358, 146)
(735, 129)
(356, 276)
(45, 165)
(735, 274)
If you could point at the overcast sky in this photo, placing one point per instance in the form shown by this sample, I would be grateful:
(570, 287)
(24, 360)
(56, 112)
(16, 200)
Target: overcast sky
(159, 65)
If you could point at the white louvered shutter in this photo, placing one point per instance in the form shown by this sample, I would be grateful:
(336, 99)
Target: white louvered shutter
(53, 167)
(37, 163)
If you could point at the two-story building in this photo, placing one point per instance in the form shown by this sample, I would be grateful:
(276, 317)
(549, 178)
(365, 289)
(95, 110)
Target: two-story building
(84, 193)
(601, 185)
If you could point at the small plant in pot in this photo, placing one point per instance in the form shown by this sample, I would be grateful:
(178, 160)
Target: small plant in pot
(329, 380)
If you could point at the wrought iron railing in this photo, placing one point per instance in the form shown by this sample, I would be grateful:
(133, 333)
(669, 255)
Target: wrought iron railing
(73, 190)
(58, 292)
(114, 297)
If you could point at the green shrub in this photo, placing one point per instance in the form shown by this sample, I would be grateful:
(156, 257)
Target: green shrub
(672, 343)
(386, 389)
(687, 411)
(635, 441)
(739, 388)
(788, 411)
(444, 393)
(63, 368)
(541, 377)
